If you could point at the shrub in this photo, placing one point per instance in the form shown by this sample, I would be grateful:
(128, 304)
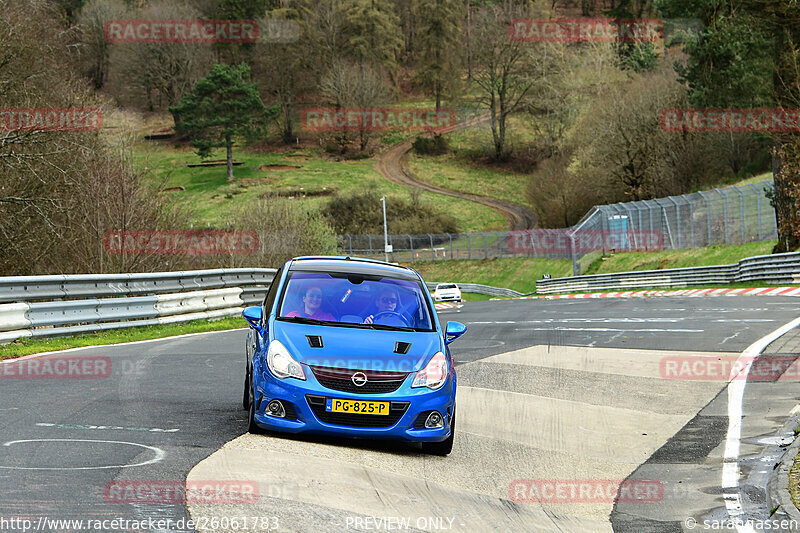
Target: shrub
(436, 145)
(362, 214)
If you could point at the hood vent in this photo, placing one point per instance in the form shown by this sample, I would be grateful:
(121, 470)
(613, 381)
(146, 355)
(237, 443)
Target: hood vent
(401, 347)
(315, 341)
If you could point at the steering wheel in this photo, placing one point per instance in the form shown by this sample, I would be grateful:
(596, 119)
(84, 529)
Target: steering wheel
(392, 313)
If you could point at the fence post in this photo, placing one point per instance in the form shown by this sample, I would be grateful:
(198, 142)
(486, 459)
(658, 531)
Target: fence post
(411, 245)
(708, 212)
(351, 243)
(576, 268)
(433, 254)
(469, 247)
(741, 211)
(500, 243)
(677, 217)
(450, 235)
(758, 200)
(370, 244)
(691, 216)
(725, 212)
(485, 246)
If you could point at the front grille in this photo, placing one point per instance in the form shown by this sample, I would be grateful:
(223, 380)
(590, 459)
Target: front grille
(341, 379)
(396, 411)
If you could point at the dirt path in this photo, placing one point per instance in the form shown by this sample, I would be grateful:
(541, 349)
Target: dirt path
(392, 164)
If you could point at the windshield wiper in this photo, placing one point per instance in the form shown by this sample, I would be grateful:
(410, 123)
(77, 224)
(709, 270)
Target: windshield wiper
(304, 320)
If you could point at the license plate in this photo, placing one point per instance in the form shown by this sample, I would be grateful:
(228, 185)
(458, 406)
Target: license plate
(334, 405)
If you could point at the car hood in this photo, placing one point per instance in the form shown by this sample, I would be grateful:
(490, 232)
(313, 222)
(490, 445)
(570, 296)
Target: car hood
(357, 348)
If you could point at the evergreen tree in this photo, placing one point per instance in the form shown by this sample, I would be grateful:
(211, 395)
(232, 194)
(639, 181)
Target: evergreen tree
(439, 26)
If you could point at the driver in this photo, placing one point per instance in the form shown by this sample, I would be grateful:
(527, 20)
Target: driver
(386, 301)
(312, 306)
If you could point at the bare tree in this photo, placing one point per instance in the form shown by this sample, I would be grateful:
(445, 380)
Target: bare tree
(502, 69)
(354, 86)
(95, 48)
(157, 75)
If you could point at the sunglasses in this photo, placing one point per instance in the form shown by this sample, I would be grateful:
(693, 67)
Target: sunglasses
(389, 300)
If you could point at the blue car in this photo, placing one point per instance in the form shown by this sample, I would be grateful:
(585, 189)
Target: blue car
(352, 348)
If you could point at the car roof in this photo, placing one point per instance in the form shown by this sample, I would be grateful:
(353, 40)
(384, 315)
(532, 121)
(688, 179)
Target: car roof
(354, 265)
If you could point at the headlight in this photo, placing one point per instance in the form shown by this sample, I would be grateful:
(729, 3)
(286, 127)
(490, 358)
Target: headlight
(281, 364)
(434, 374)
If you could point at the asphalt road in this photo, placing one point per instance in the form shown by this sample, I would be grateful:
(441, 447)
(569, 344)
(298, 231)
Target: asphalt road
(167, 405)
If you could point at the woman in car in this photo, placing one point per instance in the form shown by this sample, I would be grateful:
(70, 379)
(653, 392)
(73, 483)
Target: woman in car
(312, 306)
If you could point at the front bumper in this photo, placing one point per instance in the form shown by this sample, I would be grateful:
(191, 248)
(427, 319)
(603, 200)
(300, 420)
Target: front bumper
(304, 397)
(447, 298)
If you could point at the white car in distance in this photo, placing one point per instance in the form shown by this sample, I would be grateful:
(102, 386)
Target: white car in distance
(447, 292)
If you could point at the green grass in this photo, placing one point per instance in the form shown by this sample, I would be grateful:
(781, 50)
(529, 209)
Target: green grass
(30, 346)
(518, 273)
(211, 200)
(521, 273)
(710, 255)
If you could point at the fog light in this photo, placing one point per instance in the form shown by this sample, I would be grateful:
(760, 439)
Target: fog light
(434, 420)
(275, 408)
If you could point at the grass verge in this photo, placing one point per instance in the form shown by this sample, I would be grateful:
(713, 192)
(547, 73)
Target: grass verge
(710, 255)
(518, 273)
(794, 479)
(31, 346)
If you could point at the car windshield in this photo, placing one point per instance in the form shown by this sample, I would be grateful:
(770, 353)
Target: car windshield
(449, 286)
(355, 300)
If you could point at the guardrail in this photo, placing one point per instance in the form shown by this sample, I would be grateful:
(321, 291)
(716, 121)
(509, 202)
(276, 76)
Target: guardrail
(778, 268)
(498, 292)
(50, 306)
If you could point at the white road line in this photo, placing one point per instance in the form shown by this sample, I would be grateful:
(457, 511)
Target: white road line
(730, 466)
(634, 330)
(159, 455)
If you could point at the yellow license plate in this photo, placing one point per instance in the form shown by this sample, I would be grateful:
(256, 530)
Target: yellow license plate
(334, 405)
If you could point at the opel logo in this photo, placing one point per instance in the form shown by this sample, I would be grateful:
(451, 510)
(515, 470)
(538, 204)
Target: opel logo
(359, 379)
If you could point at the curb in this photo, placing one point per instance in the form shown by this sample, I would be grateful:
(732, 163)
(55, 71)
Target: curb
(695, 293)
(778, 485)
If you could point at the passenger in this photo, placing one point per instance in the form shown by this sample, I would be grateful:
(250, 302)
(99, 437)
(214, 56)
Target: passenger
(387, 301)
(312, 306)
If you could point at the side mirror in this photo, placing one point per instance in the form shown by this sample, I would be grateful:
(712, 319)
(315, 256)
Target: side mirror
(253, 316)
(453, 330)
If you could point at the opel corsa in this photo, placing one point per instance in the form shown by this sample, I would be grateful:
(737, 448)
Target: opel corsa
(353, 348)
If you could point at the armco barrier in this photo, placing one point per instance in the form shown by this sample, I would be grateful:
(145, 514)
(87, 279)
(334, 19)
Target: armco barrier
(778, 268)
(83, 303)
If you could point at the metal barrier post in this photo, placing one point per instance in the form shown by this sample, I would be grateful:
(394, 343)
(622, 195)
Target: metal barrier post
(708, 212)
(485, 246)
(450, 235)
(758, 199)
(370, 244)
(725, 212)
(691, 216)
(677, 217)
(741, 211)
(469, 247)
(433, 254)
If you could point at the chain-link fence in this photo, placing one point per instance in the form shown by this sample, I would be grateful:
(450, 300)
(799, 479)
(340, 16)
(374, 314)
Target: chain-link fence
(729, 215)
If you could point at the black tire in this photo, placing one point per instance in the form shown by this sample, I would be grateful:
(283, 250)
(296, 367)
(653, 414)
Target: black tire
(251, 418)
(246, 395)
(446, 446)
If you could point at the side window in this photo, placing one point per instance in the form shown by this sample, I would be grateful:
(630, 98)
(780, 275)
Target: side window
(269, 299)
